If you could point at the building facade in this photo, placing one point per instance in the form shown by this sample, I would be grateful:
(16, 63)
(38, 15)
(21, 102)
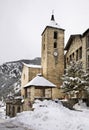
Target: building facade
(77, 49)
(28, 73)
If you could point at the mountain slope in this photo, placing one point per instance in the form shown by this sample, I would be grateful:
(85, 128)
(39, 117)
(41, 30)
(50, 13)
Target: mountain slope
(10, 76)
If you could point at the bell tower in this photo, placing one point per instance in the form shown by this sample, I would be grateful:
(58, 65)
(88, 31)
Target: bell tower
(52, 54)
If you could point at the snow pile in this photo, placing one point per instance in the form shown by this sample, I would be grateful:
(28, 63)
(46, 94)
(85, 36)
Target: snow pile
(48, 115)
(2, 113)
(2, 103)
(80, 106)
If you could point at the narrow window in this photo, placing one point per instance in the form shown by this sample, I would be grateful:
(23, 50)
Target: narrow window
(55, 45)
(55, 35)
(67, 60)
(70, 58)
(25, 92)
(88, 61)
(77, 55)
(73, 55)
(87, 41)
(43, 46)
(80, 54)
(44, 37)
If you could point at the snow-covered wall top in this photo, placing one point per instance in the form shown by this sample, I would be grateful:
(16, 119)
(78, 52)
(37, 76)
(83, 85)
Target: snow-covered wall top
(32, 66)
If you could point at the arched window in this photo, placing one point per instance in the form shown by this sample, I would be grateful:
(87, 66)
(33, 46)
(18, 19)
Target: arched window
(55, 44)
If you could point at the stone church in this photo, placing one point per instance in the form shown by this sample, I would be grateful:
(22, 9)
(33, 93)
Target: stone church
(51, 69)
(53, 61)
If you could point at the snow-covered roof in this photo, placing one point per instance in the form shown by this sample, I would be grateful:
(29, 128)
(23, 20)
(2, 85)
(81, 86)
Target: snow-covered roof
(39, 80)
(32, 66)
(53, 24)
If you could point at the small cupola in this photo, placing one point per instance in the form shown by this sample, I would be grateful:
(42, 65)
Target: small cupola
(53, 22)
(52, 17)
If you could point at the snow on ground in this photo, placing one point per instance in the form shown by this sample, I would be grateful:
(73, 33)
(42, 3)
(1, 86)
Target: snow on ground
(48, 115)
(81, 106)
(2, 114)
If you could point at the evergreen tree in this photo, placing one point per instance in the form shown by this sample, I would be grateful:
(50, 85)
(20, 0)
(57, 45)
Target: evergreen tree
(75, 79)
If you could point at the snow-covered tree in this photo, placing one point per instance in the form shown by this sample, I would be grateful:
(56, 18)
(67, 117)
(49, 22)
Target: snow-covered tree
(75, 79)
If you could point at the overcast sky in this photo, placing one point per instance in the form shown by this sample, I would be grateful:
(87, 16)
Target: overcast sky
(22, 22)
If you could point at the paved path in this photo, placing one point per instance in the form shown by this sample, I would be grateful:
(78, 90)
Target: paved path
(11, 126)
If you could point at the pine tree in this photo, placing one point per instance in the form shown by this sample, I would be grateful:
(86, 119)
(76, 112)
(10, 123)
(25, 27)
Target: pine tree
(75, 79)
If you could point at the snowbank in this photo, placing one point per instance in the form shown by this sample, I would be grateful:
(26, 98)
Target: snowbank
(81, 106)
(48, 115)
(2, 113)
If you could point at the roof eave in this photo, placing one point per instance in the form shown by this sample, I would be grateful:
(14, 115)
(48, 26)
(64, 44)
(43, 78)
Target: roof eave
(69, 41)
(85, 32)
(51, 27)
(40, 86)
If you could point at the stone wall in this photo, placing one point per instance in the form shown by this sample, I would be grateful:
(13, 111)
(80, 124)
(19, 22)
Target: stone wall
(28, 74)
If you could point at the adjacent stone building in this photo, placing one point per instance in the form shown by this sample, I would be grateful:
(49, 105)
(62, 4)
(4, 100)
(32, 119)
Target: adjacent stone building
(28, 73)
(77, 49)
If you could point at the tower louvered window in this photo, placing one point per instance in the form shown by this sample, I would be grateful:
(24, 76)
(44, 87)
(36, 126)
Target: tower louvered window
(55, 44)
(55, 35)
